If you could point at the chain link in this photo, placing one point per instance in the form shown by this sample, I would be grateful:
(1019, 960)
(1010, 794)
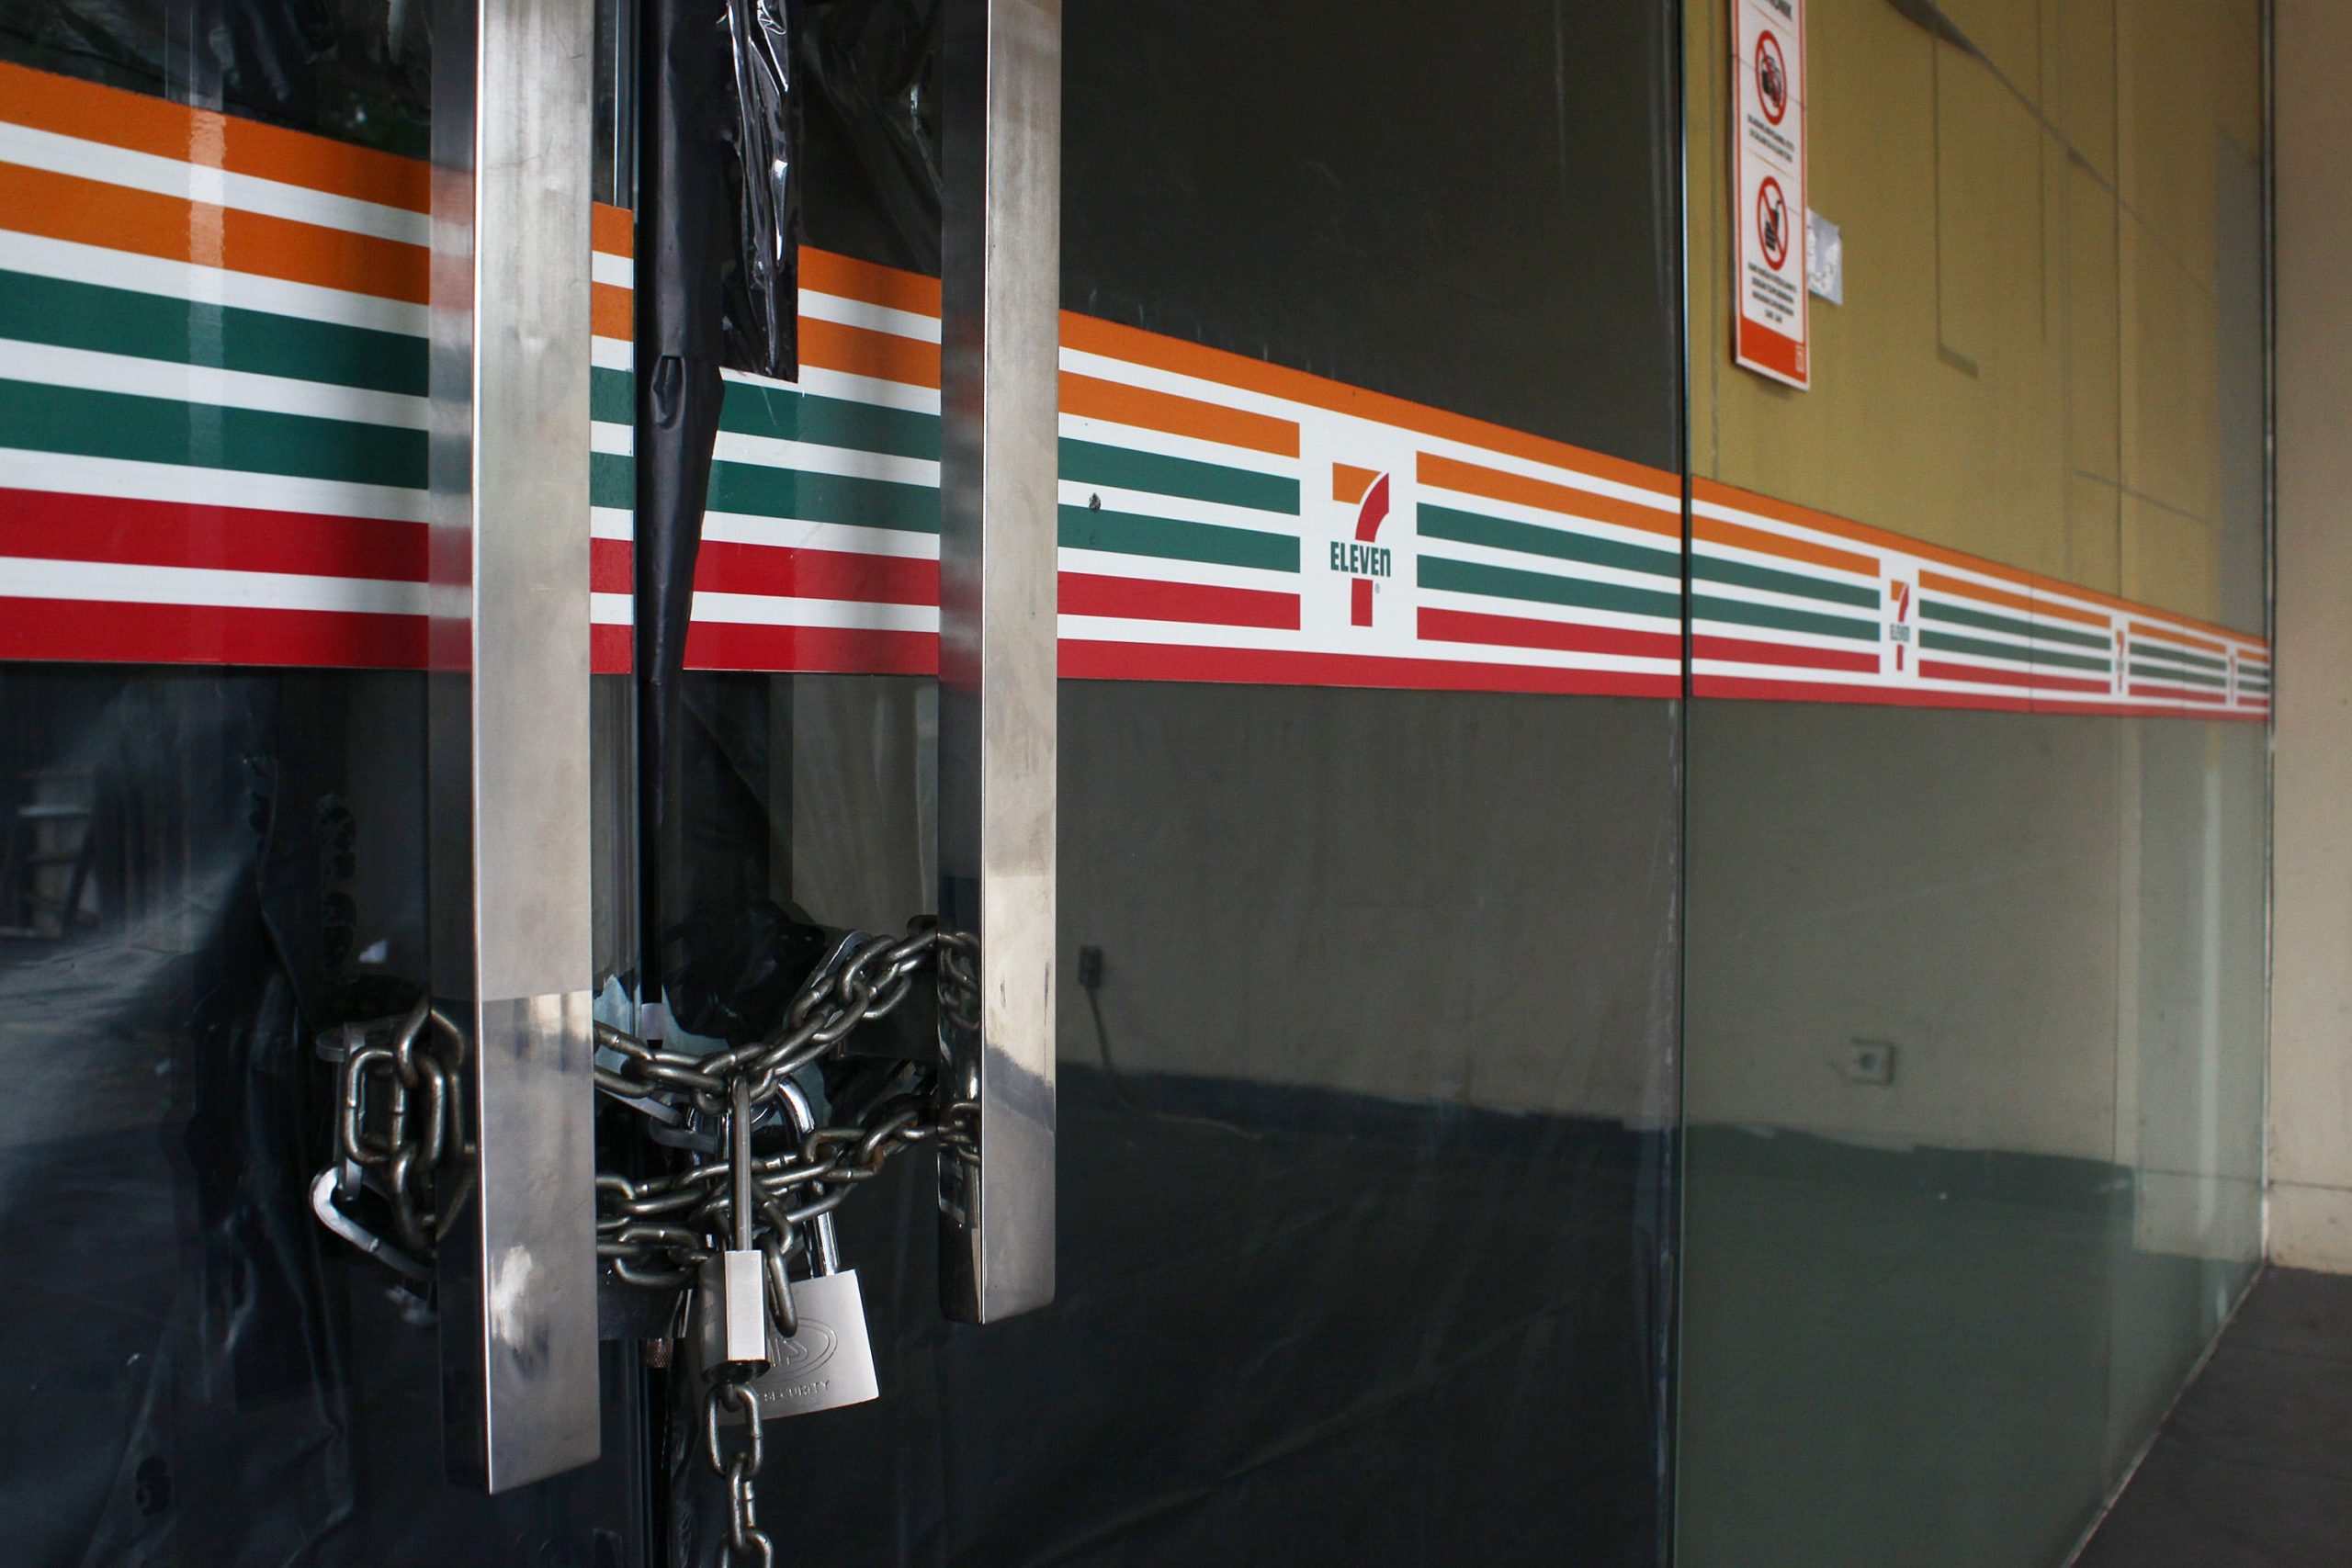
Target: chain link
(398, 1120)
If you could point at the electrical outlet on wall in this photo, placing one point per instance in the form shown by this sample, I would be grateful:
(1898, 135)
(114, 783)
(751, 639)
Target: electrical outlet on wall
(1867, 1062)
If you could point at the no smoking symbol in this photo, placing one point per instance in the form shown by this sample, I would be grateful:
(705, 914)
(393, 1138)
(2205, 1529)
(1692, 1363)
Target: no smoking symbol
(1772, 221)
(1771, 78)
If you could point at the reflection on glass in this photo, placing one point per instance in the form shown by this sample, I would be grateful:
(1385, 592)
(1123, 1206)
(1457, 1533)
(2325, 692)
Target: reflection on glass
(1975, 1033)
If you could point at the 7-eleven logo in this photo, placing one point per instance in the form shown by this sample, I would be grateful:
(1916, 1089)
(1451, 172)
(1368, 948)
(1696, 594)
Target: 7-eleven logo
(1902, 603)
(1362, 559)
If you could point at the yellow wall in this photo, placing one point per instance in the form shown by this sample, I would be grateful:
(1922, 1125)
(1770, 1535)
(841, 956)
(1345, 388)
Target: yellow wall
(2043, 352)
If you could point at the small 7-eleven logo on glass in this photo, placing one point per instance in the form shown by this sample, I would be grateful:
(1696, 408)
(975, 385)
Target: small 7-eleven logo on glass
(1902, 599)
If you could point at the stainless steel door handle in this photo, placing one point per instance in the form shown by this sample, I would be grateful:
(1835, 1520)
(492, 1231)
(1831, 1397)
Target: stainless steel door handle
(1000, 400)
(508, 741)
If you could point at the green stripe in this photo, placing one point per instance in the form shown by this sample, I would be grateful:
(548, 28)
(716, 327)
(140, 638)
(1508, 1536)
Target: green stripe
(1093, 463)
(159, 430)
(1945, 642)
(1745, 574)
(765, 490)
(612, 480)
(1741, 612)
(782, 414)
(183, 332)
(2196, 660)
(2177, 677)
(1529, 538)
(1126, 533)
(1543, 588)
(1960, 615)
(787, 415)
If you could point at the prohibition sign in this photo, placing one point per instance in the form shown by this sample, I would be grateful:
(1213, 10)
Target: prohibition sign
(1772, 221)
(1771, 77)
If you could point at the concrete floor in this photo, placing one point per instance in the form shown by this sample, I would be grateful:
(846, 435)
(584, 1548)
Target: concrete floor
(2253, 1468)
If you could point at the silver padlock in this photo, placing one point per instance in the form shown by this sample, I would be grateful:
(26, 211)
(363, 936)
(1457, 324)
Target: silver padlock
(731, 1304)
(828, 1361)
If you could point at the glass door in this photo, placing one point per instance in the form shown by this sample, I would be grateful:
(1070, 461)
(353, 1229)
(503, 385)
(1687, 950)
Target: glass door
(215, 242)
(1367, 972)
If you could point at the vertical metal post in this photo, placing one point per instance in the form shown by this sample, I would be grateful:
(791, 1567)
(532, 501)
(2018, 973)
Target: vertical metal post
(512, 149)
(999, 408)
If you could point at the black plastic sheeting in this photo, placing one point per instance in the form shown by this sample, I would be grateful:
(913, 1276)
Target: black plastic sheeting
(195, 1372)
(717, 286)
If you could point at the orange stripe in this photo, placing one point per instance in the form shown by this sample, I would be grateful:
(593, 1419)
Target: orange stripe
(1350, 483)
(612, 230)
(1473, 479)
(858, 351)
(1089, 397)
(2199, 643)
(2000, 597)
(828, 272)
(612, 311)
(1716, 531)
(64, 206)
(207, 139)
(1113, 341)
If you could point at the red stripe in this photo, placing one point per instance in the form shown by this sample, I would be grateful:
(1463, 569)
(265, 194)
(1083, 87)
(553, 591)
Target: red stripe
(47, 525)
(612, 566)
(1518, 631)
(772, 571)
(732, 645)
(1748, 650)
(1264, 667)
(1360, 601)
(203, 633)
(610, 649)
(1139, 599)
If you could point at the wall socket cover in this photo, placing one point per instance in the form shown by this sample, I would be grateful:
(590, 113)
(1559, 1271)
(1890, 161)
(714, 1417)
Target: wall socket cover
(1868, 1062)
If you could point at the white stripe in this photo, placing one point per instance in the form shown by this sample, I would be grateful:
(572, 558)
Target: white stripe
(612, 440)
(858, 389)
(614, 523)
(85, 369)
(1801, 672)
(217, 187)
(109, 268)
(809, 457)
(117, 583)
(774, 610)
(619, 271)
(798, 534)
(851, 312)
(73, 475)
(1267, 640)
(1140, 438)
(1187, 573)
(1178, 508)
(1561, 615)
(612, 353)
(610, 610)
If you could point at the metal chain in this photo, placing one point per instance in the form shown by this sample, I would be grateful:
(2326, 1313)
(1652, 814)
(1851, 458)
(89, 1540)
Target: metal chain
(398, 1120)
(745, 1540)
